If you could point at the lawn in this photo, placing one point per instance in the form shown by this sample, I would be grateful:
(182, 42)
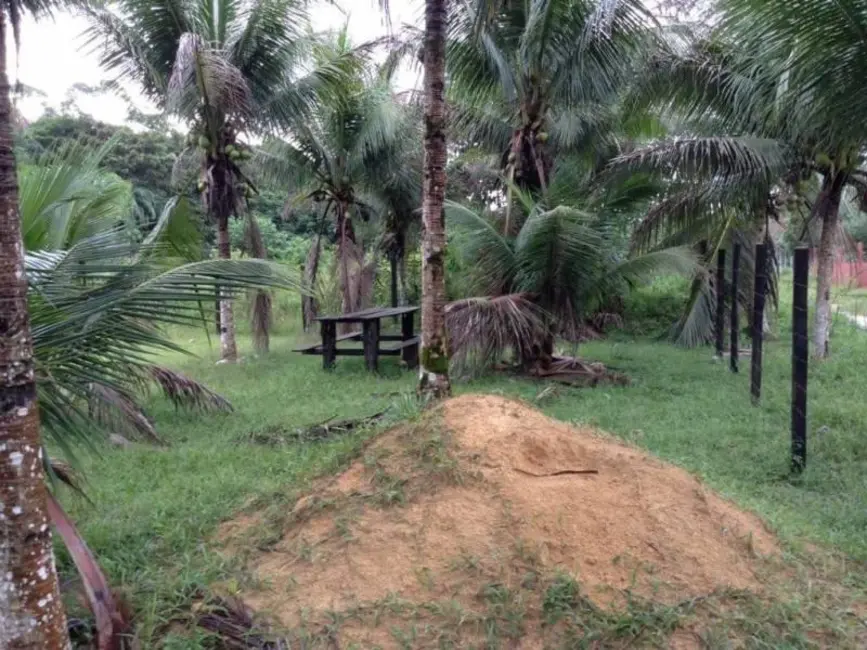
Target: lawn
(154, 510)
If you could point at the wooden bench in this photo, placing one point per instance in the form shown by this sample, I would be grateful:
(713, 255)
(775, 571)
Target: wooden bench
(316, 348)
(405, 344)
(407, 349)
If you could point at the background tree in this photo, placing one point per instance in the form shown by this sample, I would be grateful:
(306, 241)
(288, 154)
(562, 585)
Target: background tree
(31, 610)
(226, 70)
(814, 55)
(348, 159)
(532, 81)
(143, 158)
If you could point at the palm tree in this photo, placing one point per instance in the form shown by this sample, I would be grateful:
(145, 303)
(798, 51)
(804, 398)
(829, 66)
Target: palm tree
(97, 301)
(770, 73)
(817, 54)
(226, 70)
(720, 176)
(532, 81)
(32, 611)
(434, 364)
(563, 265)
(349, 157)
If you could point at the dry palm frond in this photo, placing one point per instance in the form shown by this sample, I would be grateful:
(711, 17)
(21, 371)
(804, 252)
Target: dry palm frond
(577, 372)
(186, 392)
(232, 622)
(113, 620)
(60, 471)
(203, 73)
(481, 329)
(116, 410)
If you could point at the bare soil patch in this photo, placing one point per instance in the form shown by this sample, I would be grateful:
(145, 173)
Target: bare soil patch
(488, 524)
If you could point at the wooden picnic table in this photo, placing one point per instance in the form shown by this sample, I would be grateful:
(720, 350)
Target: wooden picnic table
(404, 344)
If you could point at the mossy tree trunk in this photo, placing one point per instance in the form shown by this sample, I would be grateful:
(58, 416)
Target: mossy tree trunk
(434, 363)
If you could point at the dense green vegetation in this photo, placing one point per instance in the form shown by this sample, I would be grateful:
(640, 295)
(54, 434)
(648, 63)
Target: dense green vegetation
(600, 157)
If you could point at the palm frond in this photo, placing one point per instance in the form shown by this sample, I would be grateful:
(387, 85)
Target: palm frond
(203, 75)
(489, 254)
(481, 330)
(818, 48)
(66, 197)
(749, 159)
(185, 392)
(119, 412)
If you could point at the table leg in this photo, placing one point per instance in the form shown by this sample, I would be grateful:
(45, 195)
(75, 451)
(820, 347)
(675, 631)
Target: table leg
(408, 355)
(370, 338)
(329, 343)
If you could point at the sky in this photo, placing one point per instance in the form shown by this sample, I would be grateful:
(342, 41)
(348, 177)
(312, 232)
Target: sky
(53, 56)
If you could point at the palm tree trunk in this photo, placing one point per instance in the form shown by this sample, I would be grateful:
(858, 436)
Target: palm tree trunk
(309, 308)
(261, 315)
(31, 612)
(827, 208)
(395, 300)
(350, 262)
(434, 364)
(401, 273)
(228, 346)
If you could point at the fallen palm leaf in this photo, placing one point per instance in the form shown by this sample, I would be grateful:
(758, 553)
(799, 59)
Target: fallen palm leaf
(231, 621)
(576, 372)
(113, 625)
(186, 392)
(325, 429)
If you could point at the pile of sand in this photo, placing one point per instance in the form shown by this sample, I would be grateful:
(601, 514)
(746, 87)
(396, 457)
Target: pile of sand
(487, 491)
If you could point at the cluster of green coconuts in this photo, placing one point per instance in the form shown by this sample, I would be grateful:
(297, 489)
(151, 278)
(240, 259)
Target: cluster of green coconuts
(236, 152)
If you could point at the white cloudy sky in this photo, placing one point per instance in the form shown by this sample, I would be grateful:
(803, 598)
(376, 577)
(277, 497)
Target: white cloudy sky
(52, 56)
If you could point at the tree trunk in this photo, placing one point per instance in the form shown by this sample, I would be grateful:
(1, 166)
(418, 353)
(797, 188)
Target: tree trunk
(434, 363)
(309, 308)
(827, 208)
(31, 612)
(261, 314)
(348, 260)
(401, 273)
(228, 347)
(395, 300)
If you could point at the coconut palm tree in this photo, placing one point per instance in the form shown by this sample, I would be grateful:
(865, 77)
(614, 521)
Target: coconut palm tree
(97, 302)
(350, 157)
(541, 284)
(816, 50)
(434, 363)
(32, 611)
(535, 80)
(766, 78)
(791, 75)
(227, 70)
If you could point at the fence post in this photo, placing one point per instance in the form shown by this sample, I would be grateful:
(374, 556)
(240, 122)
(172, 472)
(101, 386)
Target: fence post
(735, 324)
(720, 302)
(800, 352)
(760, 286)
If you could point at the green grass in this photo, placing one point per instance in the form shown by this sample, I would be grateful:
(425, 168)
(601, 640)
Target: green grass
(155, 510)
(852, 300)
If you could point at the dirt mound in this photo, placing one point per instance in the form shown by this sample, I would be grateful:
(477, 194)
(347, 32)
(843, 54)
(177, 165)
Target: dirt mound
(487, 520)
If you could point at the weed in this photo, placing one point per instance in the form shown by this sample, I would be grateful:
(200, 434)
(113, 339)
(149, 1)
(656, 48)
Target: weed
(389, 489)
(560, 598)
